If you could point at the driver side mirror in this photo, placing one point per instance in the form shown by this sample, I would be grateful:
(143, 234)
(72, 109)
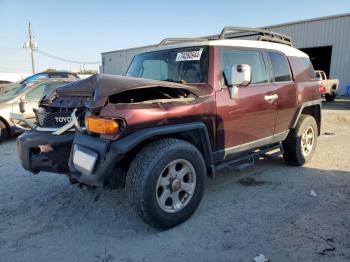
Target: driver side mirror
(241, 75)
(22, 107)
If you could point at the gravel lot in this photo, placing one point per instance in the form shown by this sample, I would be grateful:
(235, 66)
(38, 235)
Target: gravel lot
(264, 209)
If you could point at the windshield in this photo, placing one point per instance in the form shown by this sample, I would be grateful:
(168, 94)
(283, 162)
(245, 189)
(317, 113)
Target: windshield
(12, 90)
(35, 77)
(181, 65)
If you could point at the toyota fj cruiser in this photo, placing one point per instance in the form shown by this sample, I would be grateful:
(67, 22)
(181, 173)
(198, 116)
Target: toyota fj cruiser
(182, 111)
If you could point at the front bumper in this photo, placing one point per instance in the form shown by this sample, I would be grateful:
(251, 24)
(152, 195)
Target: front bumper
(43, 151)
(100, 161)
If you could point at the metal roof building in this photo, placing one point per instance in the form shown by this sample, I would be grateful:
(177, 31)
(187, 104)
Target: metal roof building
(325, 39)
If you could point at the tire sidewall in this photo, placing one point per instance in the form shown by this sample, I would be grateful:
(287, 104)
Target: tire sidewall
(3, 131)
(330, 97)
(308, 121)
(177, 151)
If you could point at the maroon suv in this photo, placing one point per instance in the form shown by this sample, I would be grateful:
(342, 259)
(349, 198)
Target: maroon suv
(183, 110)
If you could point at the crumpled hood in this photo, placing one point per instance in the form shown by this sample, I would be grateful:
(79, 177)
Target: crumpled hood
(100, 86)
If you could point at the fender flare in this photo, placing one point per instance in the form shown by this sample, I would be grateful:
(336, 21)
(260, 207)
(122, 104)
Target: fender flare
(124, 145)
(302, 107)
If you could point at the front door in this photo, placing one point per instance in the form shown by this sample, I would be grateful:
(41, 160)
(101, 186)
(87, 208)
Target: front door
(247, 120)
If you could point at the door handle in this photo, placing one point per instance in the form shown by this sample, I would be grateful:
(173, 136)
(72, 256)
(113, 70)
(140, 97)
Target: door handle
(271, 98)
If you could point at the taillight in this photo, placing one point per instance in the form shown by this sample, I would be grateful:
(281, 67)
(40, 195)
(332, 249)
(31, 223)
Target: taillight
(101, 126)
(323, 89)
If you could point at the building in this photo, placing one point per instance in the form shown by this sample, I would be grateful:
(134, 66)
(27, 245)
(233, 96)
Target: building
(325, 39)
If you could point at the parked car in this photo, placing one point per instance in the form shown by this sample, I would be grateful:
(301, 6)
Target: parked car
(184, 110)
(53, 74)
(40, 76)
(330, 85)
(22, 99)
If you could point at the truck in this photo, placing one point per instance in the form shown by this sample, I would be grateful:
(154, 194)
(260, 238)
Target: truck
(329, 86)
(181, 112)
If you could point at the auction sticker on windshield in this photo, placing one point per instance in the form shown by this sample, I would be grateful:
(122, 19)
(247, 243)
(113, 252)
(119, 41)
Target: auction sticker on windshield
(189, 55)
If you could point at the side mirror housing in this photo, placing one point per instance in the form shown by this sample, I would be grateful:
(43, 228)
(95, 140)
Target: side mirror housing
(241, 75)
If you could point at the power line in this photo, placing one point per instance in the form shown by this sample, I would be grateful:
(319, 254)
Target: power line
(33, 47)
(66, 60)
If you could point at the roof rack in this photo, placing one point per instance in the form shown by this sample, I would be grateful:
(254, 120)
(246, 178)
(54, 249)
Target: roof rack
(264, 35)
(166, 41)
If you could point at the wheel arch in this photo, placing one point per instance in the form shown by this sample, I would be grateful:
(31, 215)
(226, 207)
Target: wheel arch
(312, 108)
(195, 133)
(6, 123)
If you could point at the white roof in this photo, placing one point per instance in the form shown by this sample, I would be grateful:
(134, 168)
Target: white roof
(287, 50)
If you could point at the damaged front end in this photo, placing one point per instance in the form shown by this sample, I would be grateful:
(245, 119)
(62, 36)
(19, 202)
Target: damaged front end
(82, 128)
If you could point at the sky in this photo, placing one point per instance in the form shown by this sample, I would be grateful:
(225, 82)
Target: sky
(81, 30)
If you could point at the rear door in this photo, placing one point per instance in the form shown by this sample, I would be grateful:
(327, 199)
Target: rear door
(286, 90)
(248, 120)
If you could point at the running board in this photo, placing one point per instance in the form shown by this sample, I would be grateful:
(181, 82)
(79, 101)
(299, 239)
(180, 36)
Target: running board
(248, 160)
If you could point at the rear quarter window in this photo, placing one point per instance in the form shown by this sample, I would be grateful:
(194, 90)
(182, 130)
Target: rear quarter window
(309, 69)
(280, 67)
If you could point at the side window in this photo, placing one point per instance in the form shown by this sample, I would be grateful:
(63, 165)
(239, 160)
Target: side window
(72, 76)
(324, 76)
(155, 69)
(318, 76)
(280, 67)
(36, 94)
(60, 75)
(252, 58)
(51, 87)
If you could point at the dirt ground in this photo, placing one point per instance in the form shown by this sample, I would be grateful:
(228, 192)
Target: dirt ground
(264, 209)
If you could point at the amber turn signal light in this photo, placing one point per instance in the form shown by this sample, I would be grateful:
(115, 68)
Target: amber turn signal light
(102, 126)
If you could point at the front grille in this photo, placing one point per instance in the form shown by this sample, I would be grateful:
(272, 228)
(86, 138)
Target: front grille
(46, 118)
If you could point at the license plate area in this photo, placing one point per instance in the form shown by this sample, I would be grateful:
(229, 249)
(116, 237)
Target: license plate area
(84, 159)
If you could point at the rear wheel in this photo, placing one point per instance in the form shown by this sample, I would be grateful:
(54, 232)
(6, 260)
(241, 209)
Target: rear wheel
(301, 142)
(3, 131)
(165, 182)
(330, 97)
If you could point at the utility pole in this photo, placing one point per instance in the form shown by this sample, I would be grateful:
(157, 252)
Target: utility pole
(32, 45)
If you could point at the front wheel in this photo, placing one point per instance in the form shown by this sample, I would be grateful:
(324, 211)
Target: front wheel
(3, 131)
(300, 144)
(165, 182)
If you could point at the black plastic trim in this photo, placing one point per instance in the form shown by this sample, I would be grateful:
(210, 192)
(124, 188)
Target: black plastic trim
(301, 108)
(124, 145)
(30, 140)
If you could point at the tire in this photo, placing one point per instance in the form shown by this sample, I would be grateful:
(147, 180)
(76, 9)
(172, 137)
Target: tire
(3, 131)
(294, 152)
(330, 97)
(148, 171)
